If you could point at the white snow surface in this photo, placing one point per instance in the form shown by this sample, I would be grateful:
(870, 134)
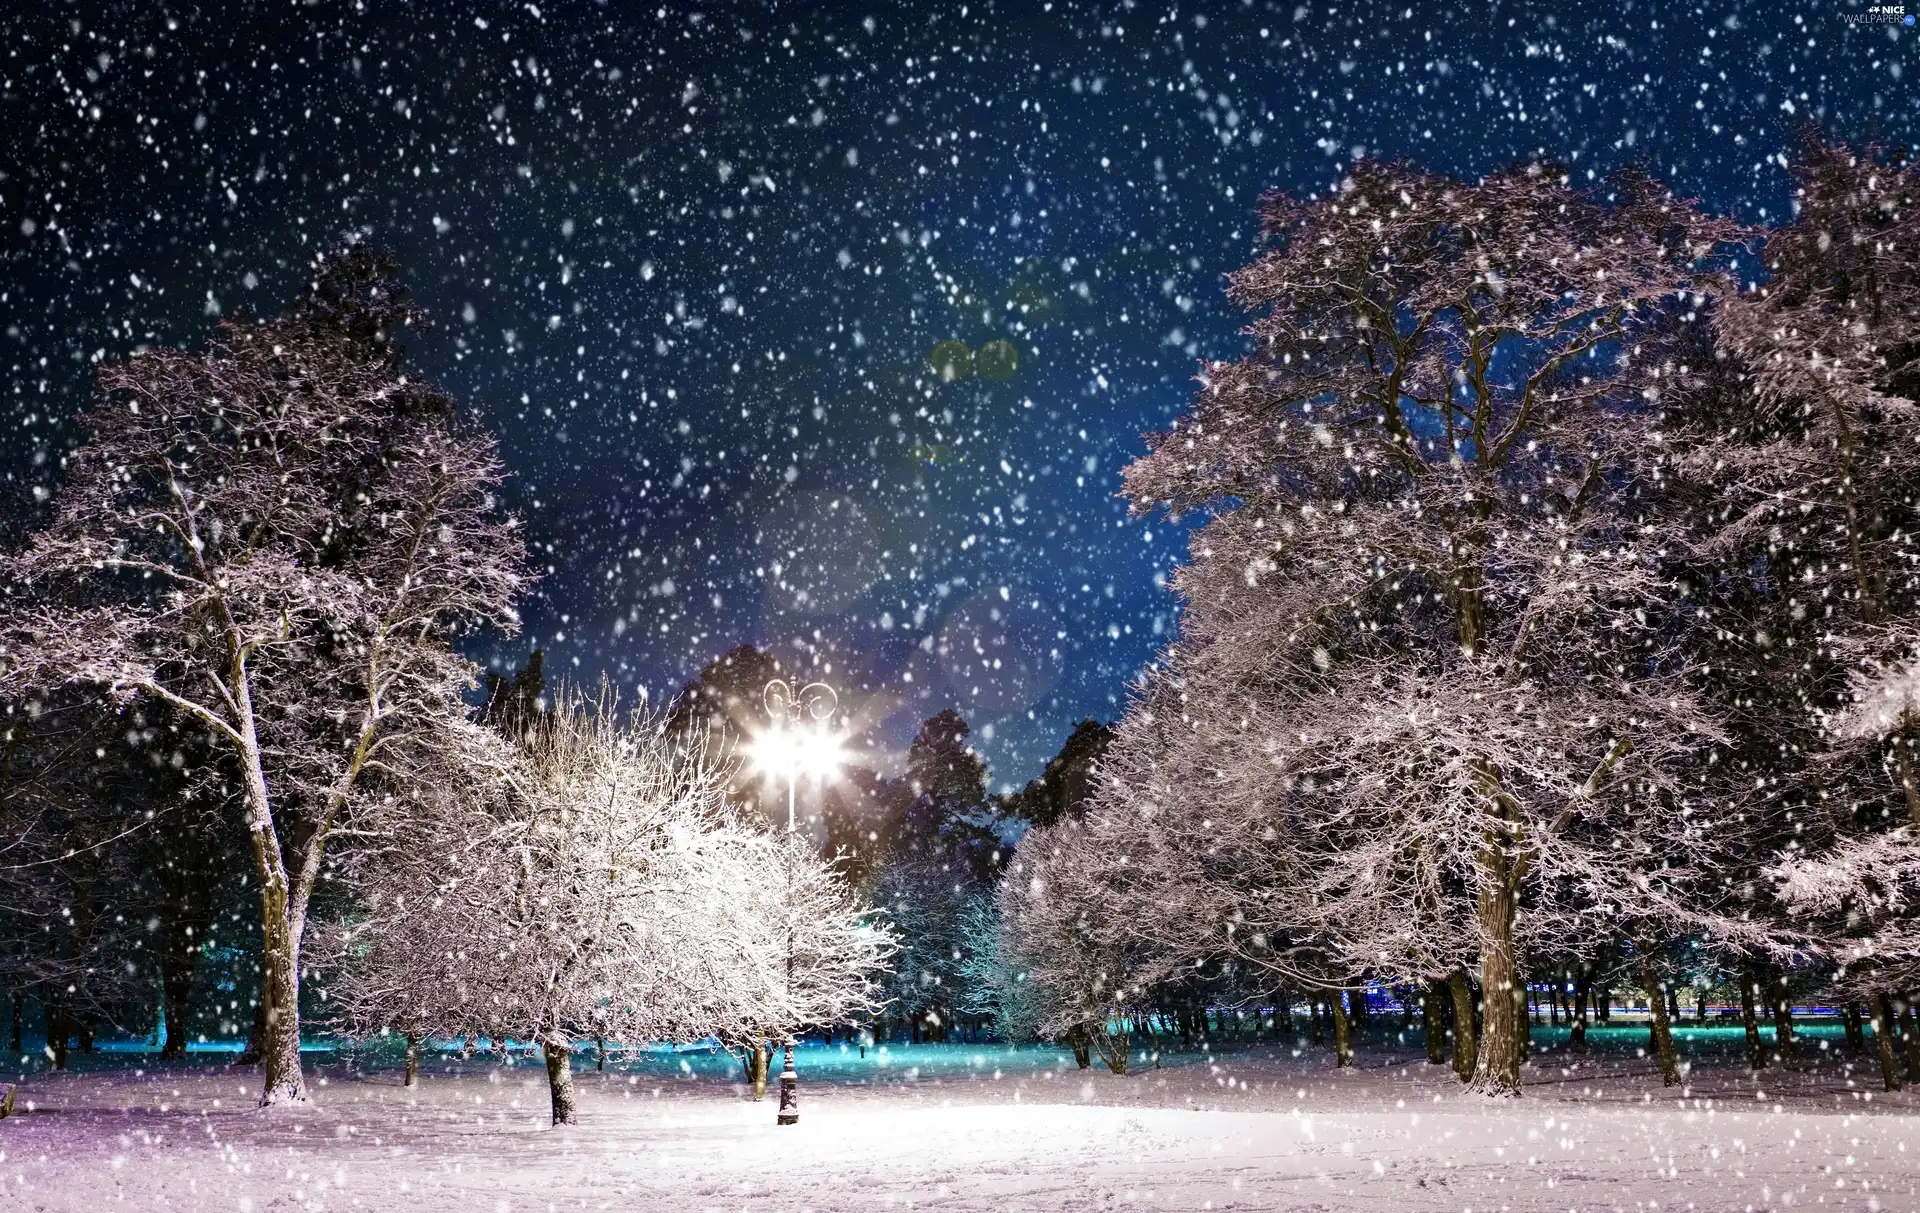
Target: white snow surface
(969, 1127)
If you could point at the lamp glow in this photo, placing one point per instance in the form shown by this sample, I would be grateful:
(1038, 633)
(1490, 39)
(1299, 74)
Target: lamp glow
(797, 753)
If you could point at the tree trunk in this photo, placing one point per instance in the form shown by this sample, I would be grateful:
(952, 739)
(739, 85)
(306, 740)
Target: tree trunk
(250, 1052)
(57, 1031)
(280, 1055)
(600, 1053)
(176, 988)
(759, 1061)
(87, 1024)
(1782, 1019)
(1658, 1026)
(1497, 1072)
(1342, 1037)
(1114, 1048)
(1522, 1020)
(413, 1059)
(1498, 871)
(1883, 1042)
(1464, 1047)
(1433, 1021)
(1850, 1020)
(1912, 1028)
(1903, 747)
(560, 1078)
(281, 1081)
(1077, 1040)
(1756, 1049)
(1577, 1013)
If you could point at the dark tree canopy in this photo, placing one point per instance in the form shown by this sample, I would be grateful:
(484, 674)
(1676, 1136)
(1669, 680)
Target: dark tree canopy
(727, 696)
(1063, 785)
(516, 702)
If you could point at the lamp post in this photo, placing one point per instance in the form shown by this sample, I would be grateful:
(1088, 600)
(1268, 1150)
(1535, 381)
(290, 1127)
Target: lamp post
(793, 750)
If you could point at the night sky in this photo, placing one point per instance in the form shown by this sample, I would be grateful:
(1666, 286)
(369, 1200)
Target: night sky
(826, 327)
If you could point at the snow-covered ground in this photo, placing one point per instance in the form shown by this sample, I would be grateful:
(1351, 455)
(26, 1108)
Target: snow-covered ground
(975, 1127)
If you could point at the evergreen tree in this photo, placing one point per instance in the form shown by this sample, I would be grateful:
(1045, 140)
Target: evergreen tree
(1063, 785)
(946, 817)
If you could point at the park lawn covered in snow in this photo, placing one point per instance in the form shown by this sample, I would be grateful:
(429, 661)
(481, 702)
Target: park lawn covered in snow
(975, 1127)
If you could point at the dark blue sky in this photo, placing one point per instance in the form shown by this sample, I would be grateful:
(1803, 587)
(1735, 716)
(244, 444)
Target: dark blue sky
(692, 263)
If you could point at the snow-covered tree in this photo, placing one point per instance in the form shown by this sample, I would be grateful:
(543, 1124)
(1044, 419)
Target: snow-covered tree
(1427, 704)
(995, 981)
(396, 967)
(1061, 904)
(926, 899)
(831, 951)
(606, 889)
(278, 538)
(1812, 459)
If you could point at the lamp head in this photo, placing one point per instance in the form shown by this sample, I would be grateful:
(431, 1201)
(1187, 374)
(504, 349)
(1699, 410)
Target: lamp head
(796, 746)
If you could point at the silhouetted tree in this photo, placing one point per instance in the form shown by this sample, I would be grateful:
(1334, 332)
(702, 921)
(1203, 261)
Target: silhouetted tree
(1065, 782)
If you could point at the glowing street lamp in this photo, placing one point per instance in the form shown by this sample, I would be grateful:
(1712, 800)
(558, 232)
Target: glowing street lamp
(794, 748)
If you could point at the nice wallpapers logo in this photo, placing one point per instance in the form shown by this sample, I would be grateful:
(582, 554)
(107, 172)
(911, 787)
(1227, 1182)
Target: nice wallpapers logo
(1880, 14)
